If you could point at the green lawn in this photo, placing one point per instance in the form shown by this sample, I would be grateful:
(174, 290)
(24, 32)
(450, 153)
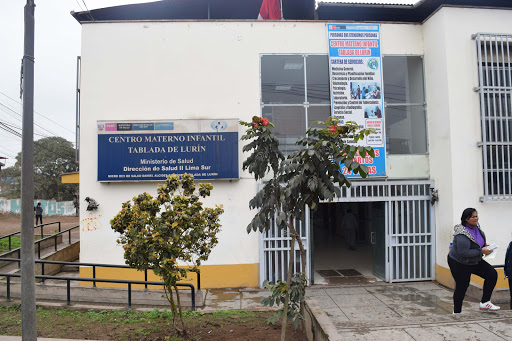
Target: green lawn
(4, 244)
(15, 243)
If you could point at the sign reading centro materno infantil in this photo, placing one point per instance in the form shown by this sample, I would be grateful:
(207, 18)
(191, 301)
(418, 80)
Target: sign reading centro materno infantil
(152, 150)
(356, 87)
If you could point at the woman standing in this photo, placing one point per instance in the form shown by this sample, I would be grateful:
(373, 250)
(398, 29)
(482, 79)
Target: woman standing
(465, 258)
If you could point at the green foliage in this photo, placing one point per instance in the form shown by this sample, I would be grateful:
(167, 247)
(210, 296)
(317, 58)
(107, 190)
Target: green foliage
(156, 232)
(265, 146)
(308, 175)
(278, 294)
(53, 156)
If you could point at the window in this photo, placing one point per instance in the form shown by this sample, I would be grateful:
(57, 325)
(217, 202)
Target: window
(294, 93)
(404, 100)
(494, 53)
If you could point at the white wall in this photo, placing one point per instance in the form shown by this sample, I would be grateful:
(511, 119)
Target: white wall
(193, 70)
(454, 121)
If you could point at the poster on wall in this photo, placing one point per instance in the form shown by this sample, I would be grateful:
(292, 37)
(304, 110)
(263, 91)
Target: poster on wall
(152, 150)
(356, 86)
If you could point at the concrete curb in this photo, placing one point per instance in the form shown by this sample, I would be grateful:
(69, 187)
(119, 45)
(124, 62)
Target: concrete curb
(318, 325)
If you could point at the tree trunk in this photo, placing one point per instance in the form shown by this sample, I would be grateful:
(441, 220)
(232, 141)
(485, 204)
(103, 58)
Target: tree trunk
(288, 285)
(168, 293)
(303, 264)
(301, 248)
(179, 309)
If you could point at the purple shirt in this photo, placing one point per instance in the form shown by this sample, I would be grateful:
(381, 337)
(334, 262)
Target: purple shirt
(475, 233)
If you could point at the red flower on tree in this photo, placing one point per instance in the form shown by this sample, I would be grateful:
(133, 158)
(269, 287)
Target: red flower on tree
(259, 121)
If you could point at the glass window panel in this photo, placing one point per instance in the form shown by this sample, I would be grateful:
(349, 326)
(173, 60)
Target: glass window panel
(318, 114)
(282, 79)
(290, 123)
(403, 79)
(406, 131)
(318, 79)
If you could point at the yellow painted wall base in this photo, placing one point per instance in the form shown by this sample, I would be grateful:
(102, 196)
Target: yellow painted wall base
(444, 276)
(212, 276)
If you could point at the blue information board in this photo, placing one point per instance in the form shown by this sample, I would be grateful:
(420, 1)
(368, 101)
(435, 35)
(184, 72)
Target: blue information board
(145, 151)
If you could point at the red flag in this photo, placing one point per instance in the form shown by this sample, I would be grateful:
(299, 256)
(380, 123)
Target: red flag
(270, 10)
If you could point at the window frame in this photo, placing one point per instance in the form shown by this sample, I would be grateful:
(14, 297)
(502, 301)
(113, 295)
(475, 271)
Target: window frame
(305, 104)
(406, 104)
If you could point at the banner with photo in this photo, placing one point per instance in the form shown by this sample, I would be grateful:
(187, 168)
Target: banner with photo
(356, 86)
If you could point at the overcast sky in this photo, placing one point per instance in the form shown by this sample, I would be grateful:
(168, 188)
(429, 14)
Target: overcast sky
(57, 44)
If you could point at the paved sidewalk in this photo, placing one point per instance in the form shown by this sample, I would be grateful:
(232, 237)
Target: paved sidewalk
(407, 312)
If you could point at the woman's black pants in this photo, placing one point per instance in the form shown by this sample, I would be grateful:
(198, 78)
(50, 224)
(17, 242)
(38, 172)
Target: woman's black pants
(510, 290)
(462, 274)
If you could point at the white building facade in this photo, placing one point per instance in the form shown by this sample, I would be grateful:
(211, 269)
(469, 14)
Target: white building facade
(151, 70)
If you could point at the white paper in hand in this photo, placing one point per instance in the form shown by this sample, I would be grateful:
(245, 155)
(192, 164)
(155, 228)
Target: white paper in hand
(491, 255)
(494, 249)
(492, 246)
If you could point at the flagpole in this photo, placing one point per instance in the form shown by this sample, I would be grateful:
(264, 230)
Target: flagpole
(281, 4)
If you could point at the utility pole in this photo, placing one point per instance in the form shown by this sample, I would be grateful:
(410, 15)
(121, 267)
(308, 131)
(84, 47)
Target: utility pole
(28, 284)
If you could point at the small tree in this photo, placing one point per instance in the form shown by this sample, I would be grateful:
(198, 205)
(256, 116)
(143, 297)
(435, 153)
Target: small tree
(156, 232)
(306, 177)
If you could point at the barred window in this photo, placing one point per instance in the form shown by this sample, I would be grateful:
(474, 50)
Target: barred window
(495, 88)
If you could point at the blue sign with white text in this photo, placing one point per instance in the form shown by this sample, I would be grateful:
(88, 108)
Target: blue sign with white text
(139, 155)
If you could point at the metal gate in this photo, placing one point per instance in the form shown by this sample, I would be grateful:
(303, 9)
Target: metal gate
(275, 251)
(410, 232)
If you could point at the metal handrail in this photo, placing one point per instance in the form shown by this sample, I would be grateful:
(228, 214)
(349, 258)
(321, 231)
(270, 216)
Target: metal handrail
(129, 282)
(38, 242)
(10, 235)
(94, 265)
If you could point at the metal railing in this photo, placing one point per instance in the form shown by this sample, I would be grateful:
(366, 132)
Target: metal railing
(129, 282)
(41, 226)
(39, 241)
(94, 266)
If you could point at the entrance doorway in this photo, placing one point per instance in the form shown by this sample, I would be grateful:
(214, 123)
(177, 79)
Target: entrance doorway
(394, 239)
(348, 250)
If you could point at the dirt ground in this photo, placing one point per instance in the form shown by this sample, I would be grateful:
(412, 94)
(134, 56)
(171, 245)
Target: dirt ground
(154, 326)
(10, 223)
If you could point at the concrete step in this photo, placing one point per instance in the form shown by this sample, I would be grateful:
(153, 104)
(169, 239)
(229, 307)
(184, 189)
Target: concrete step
(499, 296)
(65, 253)
(70, 268)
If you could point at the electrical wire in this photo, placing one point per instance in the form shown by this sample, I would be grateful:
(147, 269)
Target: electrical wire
(35, 124)
(88, 12)
(19, 128)
(40, 114)
(81, 8)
